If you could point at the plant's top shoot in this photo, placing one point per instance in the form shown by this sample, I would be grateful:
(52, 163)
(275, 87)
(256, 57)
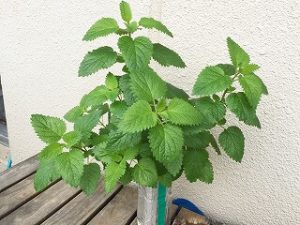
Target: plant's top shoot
(137, 126)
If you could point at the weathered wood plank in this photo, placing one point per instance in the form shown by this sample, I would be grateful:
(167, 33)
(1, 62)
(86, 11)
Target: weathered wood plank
(16, 195)
(120, 210)
(81, 208)
(18, 172)
(40, 207)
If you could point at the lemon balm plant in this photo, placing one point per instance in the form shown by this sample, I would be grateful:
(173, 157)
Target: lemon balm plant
(136, 126)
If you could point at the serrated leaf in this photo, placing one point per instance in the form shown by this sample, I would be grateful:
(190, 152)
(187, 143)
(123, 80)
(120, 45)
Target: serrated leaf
(70, 166)
(96, 97)
(126, 89)
(101, 28)
(166, 56)
(239, 105)
(90, 178)
(136, 53)
(51, 152)
(138, 117)
(49, 129)
(72, 138)
(197, 141)
(145, 173)
(111, 81)
(239, 57)
(214, 144)
(249, 69)
(174, 167)
(46, 173)
(210, 81)
(228, 69)
(132, 27)
(74, 113)
(125, 11)
(182, 113)
(151, 23)
(253, 88)
(166, 142)
(197, 166)
(175, 92)
(101, 58)
(131, 153)
(104, 155)
(86, 123)
(233, 142)
(120, 141)
(147, 85)
(113, 172)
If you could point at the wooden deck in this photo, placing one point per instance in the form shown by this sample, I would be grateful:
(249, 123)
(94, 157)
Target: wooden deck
(60, 204)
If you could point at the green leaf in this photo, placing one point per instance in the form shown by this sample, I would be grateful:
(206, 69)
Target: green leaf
(72, 138)
(101, 28)
(197, 166)
(228, 69)
(104, 155)
(86, 123)
(136, 53)
(138, 117)
(49, 129)
(145, 173)
(239, 105)
(132, 27)
(166, 56)
(131, 153)
(174, 167)
(147, 85)
(70, 165)
(253, 88)
(96, 97)
(111, 81)
(120, 141)
(51, 151)
(214, 144)
(210, 81)
(239, 57)
(101, 58)
(125, 11)
(233, 142)
(127, 177)
(46, 173)
(124, 83)
(175, 92)
(166, 142)
(166, 179)
(74, 113)
(249, 69)
(90, 178)
(113, 172)
(151, 23)
(182, 113)
(197, 141)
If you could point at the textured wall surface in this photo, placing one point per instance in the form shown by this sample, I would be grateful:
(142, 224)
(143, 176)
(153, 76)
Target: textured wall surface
(41, 49)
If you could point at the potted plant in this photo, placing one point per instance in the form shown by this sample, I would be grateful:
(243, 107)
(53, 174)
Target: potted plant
(138, 127)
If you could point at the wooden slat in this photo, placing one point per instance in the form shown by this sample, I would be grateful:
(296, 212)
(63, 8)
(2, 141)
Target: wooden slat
(18, 172)
(16, 195)
(120, 210)
(81, 208)
(134, 222)
(39, 208)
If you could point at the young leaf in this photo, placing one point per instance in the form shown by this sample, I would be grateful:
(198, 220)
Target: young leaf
(182, 113)
(136, 53)
(166, 56)
(151, 23)
(138, 117)
(125, 11)
(239, 57)
(102, 27)
(72, 138)
(166, 142)
(90, 178)
(210, 81)
(124, 83)
(111, 82)
(70, 166)
(147, 85)
(249, 69)
(120, 141)
(197, 166)
(228, 69)
(239, 105)
(101, 58)
(74, 113)
(145, 173)
(49, 129)
(175, 92)
(253, 88)
(86, 123)
(197, 141)
(232, 141)
(96, 97)
(113, 172)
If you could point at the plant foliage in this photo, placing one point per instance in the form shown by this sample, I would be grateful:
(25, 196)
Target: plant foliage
(136, 126)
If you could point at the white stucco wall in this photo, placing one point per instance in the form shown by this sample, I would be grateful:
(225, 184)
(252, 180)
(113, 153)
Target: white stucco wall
(41, 48)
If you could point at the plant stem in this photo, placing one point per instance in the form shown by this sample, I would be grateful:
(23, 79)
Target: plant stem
(226, 91)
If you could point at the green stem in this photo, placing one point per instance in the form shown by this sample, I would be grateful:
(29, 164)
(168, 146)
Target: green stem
(226, 91)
